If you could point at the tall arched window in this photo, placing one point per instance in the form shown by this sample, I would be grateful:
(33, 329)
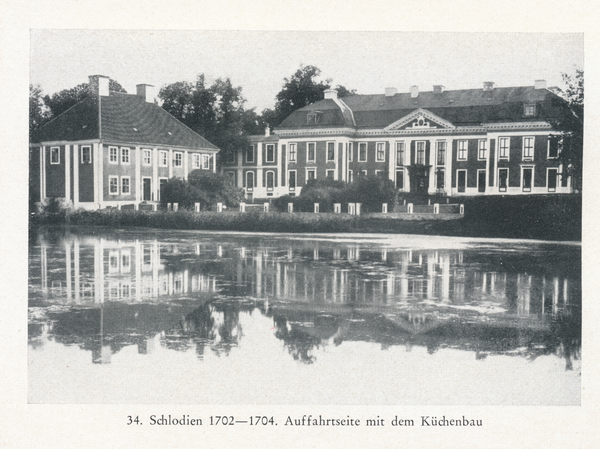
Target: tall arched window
(249, 180)
(270, 180)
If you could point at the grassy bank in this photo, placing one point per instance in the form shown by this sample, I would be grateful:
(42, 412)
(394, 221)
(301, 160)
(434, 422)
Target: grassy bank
(547, 218)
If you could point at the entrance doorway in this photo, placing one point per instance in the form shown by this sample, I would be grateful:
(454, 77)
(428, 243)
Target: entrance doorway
(147, 189)
(481, 181)
(461, 180)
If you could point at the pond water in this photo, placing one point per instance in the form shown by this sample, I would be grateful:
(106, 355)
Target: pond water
(144, 316)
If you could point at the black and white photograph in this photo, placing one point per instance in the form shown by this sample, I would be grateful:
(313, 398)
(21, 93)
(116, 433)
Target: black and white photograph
(321, 238)
(339, 234)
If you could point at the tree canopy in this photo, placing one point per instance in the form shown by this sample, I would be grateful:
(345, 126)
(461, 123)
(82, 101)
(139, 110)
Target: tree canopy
(65, 99)
(39, 113)
(571, 127)
(216, 112)
(301, 89)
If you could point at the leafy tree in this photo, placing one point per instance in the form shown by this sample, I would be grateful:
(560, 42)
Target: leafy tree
(302, 89)
(216, 112)
(571, 127)
(65, 99)
(39, 113)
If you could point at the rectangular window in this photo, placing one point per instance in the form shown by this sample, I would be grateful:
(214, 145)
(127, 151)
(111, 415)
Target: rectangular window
(502, 179)
(552, 179)
(55, 155)
(462, 150)
(330, 174)
(380, 156)
(124, 155)
(350, 151)
(440, 179)
(380, 173)
(196, 160)
(528, 143)
(86, 155)
(292, 180)
(503, 147)
(205, 162)
(362, 152)
(113, 185)
(147, 157)
(330, 151)
(399, 153)
(177, 159)
(350, 175)
(250, 180)
(552, 147)
(400, 179)
(125, 185)
(250, 154)
(482, 150)
(163, 159)
(311, 152)
(527, 181)
(363, 172)
(441, 153)
(420, 153)
(292, 152)
(270, 153)
(113, 155)
(311, 174)
(529, 110)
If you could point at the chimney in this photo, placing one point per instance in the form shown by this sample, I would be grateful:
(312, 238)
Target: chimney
(330, 94)
(488, 86)
(267, 131)
(390, 91)
(146, 91)
(414, 91)
(540, 84)
(438, 89)
(99, 85)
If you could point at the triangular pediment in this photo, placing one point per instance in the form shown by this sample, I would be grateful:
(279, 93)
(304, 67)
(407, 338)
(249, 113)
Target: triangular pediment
(420, 119)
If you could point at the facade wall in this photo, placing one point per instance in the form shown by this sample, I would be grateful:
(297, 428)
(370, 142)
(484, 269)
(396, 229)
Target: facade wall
(96, 175)
(470, 164)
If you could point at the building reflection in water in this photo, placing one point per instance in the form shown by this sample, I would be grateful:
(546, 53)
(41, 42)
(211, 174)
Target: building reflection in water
(191, 292)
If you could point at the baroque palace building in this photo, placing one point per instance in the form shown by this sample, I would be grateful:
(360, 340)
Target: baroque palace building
(488, 141)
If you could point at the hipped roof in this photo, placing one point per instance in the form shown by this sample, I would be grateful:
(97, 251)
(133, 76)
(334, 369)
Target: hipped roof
(124, 119)
(460, 107)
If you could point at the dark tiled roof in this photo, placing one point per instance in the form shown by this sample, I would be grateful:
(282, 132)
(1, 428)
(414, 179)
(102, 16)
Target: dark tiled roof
(80, 122)
(125, 118)
(460, 107)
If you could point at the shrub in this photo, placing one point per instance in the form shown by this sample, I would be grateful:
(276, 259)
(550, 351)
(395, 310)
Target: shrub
(204, 187)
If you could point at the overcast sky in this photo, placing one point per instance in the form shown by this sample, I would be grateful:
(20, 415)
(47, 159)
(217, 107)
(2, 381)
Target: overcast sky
(258, 61)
